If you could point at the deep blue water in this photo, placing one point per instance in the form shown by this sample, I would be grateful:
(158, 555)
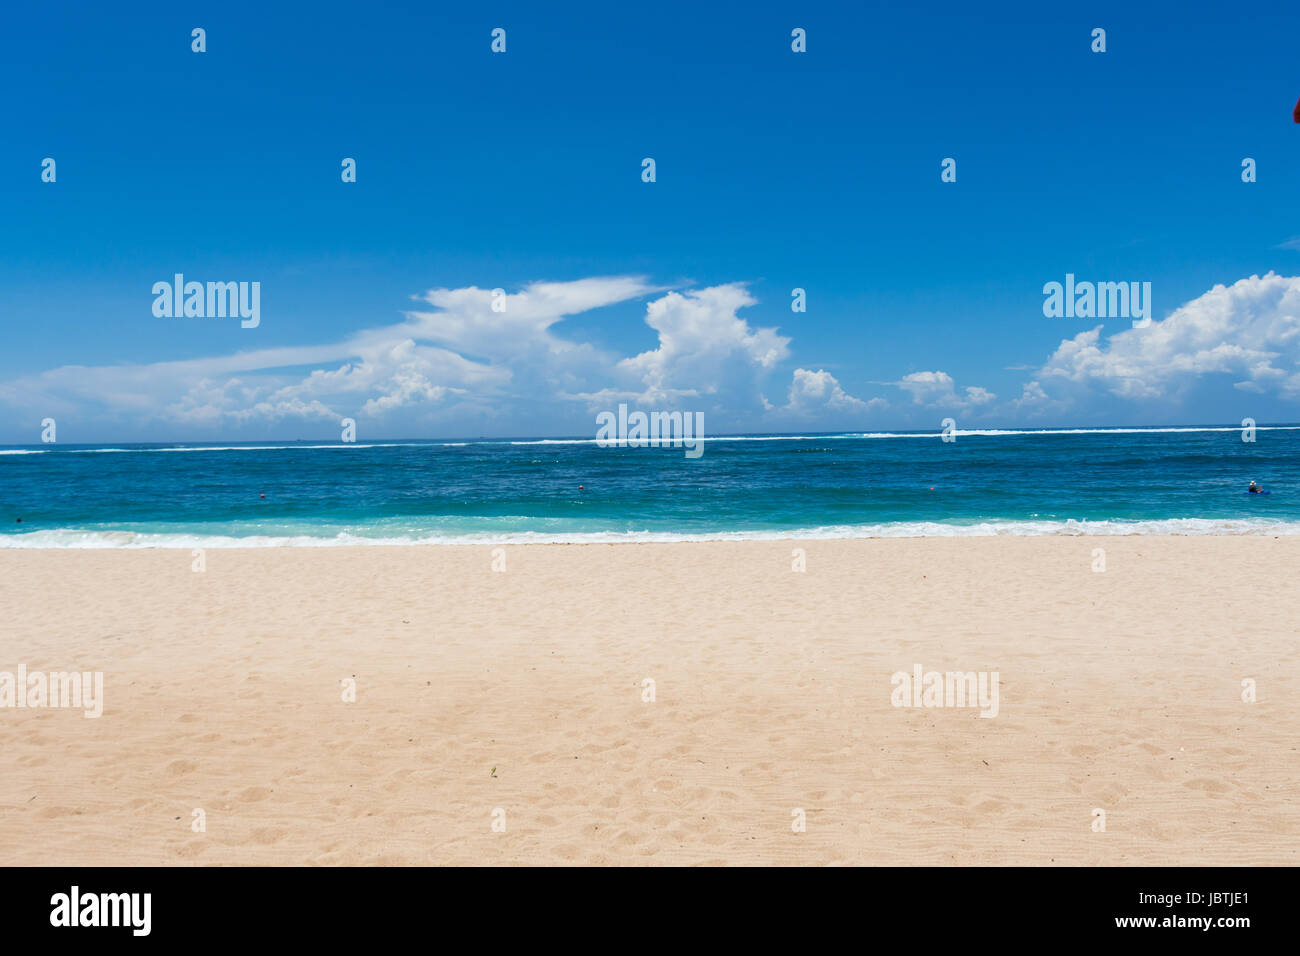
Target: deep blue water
(1150, 481)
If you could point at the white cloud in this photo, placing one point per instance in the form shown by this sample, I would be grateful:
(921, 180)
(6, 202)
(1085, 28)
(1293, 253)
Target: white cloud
(459, 361)
(1249, 330)
(938, 389)
(813, 392)
(467, 323)
(704, 347)
(463, 349)
(462, 357)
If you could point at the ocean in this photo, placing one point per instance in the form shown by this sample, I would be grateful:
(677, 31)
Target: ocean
(1187, 480)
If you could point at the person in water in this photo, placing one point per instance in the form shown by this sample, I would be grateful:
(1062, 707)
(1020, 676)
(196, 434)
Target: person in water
(1254, 489)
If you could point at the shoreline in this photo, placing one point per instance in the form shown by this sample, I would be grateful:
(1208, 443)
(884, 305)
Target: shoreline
(1241, 528)
(522, 689)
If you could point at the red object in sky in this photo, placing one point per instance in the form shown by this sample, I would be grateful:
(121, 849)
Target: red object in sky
(1296, 115)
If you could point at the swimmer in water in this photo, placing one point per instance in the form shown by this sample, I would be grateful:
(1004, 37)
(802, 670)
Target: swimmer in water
(1254, 489)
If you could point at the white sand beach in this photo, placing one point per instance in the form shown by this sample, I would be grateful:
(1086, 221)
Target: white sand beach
(516, 697)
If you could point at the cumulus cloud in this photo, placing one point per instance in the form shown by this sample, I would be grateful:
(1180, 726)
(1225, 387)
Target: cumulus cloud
(1249, 331)
(1246, 335)
(475, 355)
(704, 346)
(813, 392)
(469, 350)
(938, 389)
(210, 403)
(420, 362)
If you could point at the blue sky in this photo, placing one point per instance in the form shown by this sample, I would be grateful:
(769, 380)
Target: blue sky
(522, 171)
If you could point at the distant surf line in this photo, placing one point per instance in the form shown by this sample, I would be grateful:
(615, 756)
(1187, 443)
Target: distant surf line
(837, 436)
(68, 538)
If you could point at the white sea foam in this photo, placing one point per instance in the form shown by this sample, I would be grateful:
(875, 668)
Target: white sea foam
(960, 432)
(93, 540)
(842, 436)
(94, 451)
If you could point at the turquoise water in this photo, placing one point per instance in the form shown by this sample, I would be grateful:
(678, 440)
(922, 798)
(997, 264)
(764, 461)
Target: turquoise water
(1188, 480)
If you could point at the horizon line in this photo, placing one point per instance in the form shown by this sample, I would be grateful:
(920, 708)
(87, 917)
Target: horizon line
(793, 435)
